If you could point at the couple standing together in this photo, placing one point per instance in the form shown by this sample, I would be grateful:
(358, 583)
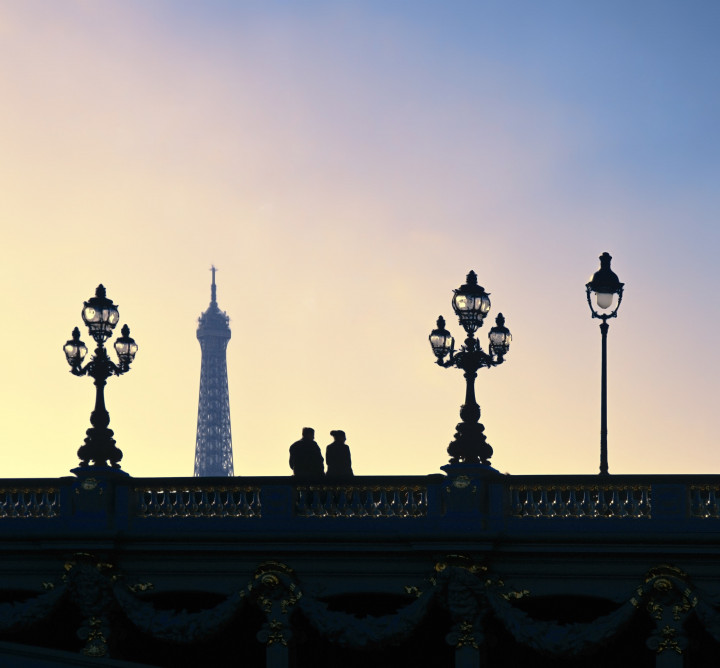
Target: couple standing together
(306, 460)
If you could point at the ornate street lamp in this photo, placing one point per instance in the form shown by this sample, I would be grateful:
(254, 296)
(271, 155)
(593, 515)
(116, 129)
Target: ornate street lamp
(100, 315)
(471, 304)
(606, 286)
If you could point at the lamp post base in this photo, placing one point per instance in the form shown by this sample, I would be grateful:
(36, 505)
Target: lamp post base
(470, 470)
(99, 448)
(96, 471)
(470, 445)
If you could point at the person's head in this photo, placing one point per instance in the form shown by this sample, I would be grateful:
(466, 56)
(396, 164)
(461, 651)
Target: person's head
(308, 433)
(338, 435)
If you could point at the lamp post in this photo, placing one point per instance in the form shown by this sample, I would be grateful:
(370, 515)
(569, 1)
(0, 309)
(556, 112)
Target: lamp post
(100, 315)
(471, 304)
(606, 286)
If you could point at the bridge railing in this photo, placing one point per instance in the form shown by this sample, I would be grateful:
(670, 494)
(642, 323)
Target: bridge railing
(472, 500)
(29, 499)
(582, 499)
(197, 500)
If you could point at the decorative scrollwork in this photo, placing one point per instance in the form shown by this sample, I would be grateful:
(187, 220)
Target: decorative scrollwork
(141, 587)
(276, 593)
(464, 634)
(94, 633)
(669, 600)
(272, 633)
(89, 583)
(465, 587)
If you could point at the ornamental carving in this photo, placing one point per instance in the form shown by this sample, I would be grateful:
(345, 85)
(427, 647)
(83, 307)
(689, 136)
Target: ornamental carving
(466, 589)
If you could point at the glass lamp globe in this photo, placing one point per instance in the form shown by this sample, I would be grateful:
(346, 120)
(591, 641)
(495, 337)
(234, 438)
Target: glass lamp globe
(604, 300)
(604, 284)
(75, 350)
(500, 337)
(125, 347)
(441, 340)
(100, 315)
(471, 303)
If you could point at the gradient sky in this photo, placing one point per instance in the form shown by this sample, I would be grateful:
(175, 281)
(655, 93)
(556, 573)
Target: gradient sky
(344, 165)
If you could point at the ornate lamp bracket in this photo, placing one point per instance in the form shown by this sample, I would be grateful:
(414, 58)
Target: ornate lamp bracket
(101, 316)
(471, 304)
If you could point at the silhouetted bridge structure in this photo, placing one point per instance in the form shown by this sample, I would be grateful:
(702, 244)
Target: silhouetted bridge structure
(472, 568)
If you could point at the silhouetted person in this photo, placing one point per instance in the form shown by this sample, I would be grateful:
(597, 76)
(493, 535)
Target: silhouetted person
(306, 460)
(337, 455)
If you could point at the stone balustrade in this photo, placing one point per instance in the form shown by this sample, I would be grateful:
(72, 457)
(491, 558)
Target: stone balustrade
(29, 501)
(499, 502)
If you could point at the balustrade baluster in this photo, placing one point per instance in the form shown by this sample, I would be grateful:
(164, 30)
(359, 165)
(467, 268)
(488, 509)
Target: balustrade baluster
(530, 507)
(256, 510)
(242, 505)
(383, 506)
(588, 503)
(397, 504)
(231, 507)
(422, 501)
(181, 503)
(47, 506)
(318, 508)
(342, 503)
(617, 507)
(712, 505)
(330, 501)
(603, 510)
(216, 504)
(156, 507)
(301, 507)
(544, 506)
(516, 508)
(574, 507)
(632, 506)
(644, 505)
(358, 508)
(168, 509)
(559, 507)
(204, 504)
(193, 505)
(370, 504)
(22, 506)
(10, 503)
(697, 508)
(33, 504)
(410, 505)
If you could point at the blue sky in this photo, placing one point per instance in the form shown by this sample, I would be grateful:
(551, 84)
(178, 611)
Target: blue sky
(344, 165)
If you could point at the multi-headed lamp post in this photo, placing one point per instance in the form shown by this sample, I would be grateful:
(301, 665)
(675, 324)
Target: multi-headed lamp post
(100, 315)
(471, 304)
(606, 286)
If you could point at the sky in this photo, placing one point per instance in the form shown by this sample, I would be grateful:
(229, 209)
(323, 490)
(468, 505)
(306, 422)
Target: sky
(344, 164)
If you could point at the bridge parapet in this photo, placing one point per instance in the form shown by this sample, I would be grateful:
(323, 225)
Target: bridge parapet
(468, 502)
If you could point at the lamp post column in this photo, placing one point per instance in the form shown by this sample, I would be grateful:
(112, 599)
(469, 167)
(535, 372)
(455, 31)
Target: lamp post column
(100, 416)
(471, 304)
(101, 316)
(99, 442)
(608, 291)
(470, 410)
(603, 402)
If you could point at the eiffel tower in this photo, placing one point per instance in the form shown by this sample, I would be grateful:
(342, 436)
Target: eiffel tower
(213, 444)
